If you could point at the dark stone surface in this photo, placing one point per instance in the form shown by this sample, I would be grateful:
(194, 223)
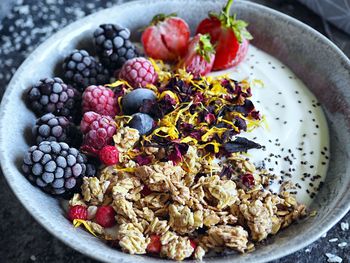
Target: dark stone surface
(24, 27)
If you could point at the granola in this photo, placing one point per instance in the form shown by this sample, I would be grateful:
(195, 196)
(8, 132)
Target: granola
(184, 189)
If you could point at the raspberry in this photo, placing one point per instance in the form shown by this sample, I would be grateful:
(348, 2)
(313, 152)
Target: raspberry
(100, 100)
(154, 245)
(109, 155)
(138, 72)
(77, 212)
(105, 216)
(98, 131)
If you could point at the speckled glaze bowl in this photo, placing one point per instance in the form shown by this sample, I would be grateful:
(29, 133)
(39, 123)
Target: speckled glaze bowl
(318, 62)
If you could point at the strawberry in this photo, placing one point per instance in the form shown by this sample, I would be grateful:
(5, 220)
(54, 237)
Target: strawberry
(200, 56)
(228, 35)
(166, 38)
(154, 245)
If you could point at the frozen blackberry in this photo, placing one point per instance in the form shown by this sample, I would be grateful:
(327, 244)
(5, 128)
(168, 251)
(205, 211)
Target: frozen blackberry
(82, 70)
(113, 45)
(53, 95)
(54, 167)
(56, 128)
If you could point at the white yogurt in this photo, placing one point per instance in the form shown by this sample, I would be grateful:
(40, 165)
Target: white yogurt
(296, 140)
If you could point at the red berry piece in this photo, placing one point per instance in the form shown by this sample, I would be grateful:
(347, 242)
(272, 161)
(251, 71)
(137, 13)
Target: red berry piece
(228, 35)
(109, 155)
(77, 212)
(193, 244)
(154, 245)
(138, 72)
(166, 38)
(200, 56)
(105, 216)
(248, 180)
(98, 131)
(100, 100)
(146, 191)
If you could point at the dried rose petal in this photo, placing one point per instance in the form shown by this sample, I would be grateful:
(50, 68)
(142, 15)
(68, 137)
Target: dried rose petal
(210, 118)
(143, 160)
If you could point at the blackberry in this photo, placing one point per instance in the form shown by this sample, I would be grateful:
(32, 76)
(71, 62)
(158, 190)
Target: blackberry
(55, 167)
(56, 128)
(113, 45)
(82, 70)
(53, 95)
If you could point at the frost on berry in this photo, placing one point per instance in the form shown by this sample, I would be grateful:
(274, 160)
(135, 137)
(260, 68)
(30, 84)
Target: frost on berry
(100, 100)
(138, 72)
(98, 131)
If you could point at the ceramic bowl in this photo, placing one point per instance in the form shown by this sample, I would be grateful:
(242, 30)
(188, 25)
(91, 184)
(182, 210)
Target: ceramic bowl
(315, 60)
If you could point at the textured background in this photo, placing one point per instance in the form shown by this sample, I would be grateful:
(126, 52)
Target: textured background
(24, 25)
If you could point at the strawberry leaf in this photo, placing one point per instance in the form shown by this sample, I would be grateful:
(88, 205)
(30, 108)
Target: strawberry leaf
(204, 47)
(239, 27)
(161, 17)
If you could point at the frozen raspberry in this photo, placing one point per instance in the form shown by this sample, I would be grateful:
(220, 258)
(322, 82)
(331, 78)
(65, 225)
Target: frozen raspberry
(77, 212)
(98, 131)
(138, 72)
(100, 100)
(105, 216)
(109, 155)
(154, 245)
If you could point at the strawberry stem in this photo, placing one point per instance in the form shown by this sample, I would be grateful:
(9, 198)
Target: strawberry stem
(227, 8)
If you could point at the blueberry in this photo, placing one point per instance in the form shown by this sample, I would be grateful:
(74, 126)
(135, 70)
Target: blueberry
(134, 100)
(141, 122)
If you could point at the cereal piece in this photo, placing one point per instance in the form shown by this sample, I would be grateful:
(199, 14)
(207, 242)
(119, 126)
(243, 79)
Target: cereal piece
(93, 190)
(76, 200)
(131, 239)
(183, 220)
(160, 177)
(124, 208)
(258, 219)
(222, 192)
(210, 218)
(167, 237)
(157, 227)
(199, 253)
(125, 139)
(96, 228)
(178, 249)
(234, 237)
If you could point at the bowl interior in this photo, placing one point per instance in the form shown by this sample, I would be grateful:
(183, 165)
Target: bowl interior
(315, 60)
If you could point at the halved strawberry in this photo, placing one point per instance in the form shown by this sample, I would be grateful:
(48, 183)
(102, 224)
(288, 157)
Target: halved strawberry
(200, 56)
(166, 38)
(229, 35)
(154, 245)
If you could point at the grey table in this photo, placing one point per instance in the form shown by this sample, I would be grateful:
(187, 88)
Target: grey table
(24, 25)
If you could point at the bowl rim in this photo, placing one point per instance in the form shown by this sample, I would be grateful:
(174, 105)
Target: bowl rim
(334, 216)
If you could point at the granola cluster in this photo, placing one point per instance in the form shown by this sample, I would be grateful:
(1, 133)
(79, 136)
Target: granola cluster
(187, 184)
